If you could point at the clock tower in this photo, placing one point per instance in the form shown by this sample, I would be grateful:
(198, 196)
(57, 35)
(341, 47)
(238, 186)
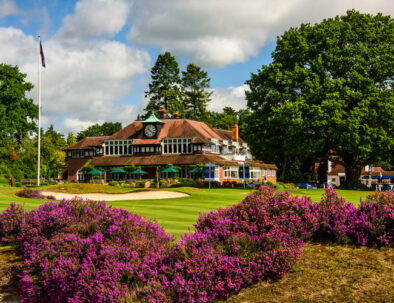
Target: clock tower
(151, 127)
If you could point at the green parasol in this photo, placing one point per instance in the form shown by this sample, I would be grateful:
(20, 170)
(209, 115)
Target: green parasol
(95, 172)
(196, 171)
(118, 170)
(170, 170)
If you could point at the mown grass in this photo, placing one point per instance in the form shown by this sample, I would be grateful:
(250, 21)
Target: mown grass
(175, 215)
(325, 273)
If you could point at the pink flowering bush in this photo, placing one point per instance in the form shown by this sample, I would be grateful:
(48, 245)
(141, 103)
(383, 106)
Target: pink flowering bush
(370, 224)
(85, 251)
(33, 194)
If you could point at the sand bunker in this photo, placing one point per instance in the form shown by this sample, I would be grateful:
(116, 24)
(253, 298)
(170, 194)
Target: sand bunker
(139, 195)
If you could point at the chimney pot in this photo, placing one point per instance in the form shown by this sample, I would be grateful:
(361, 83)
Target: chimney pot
(235, 135)
(162, 113)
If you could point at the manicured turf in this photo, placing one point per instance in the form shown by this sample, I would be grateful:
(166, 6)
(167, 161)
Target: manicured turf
(176, 215)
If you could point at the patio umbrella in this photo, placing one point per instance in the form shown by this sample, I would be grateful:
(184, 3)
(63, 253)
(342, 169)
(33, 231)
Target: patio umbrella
(196, 171)
(139, 172)
(95, 172)
(170, 170)
(118, 170)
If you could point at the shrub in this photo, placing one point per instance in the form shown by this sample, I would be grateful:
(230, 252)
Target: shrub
(18, 184)
(30, 193)
(163, 183)
(86, 251)
(113, 183)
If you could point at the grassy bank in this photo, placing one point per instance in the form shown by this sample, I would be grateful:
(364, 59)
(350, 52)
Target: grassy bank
(176, 215)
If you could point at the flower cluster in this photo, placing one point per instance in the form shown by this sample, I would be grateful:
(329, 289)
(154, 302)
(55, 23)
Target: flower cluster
(370, 224)
(33, 194)
(85, 251)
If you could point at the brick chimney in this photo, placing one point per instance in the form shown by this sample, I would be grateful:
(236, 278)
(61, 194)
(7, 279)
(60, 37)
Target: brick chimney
(177, 115)
(162, 113)
(235, 135)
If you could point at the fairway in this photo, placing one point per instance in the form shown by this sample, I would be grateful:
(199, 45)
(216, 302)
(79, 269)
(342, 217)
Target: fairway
(176, 215)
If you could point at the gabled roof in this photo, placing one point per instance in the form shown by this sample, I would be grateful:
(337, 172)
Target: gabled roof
(87, 143)
(176, 128)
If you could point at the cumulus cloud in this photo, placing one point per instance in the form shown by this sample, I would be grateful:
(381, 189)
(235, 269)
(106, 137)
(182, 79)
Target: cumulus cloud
(8, 8)
(85, 83)
(233, 96)
(94, 18)
(220, 32)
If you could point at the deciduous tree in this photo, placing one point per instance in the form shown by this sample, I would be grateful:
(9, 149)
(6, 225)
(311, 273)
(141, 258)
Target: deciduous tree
(17, 112)
(105, 129)
(329, 88)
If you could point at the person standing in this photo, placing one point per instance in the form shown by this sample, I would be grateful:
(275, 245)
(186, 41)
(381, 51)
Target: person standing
(12, 182)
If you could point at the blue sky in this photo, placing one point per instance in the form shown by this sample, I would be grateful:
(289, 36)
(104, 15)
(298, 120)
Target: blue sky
(99, 52)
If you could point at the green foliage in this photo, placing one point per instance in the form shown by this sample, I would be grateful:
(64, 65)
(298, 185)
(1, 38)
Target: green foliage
(195, 97)
(96, 130)
(18, 184)
(71, 139)
(113, 183)
(329, 88)
(164, 89)
(17, 113)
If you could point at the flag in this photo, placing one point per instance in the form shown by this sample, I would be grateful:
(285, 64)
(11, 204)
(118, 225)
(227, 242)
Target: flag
(42, 55)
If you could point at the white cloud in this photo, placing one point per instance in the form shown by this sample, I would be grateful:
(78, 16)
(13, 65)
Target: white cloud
(233, 96)
(8, 8)
(94, 18)
(76, 125)
(84, 83)
(220, 32)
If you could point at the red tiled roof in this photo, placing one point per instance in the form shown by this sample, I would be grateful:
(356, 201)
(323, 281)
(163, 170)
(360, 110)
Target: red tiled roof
(176, 128)
(338, 168)
(87, 143)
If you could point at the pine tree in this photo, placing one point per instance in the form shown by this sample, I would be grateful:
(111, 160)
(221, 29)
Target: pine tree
(164, 89)
(195, 97)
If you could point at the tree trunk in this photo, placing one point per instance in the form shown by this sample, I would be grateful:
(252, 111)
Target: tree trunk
(353, 173)
(284, 168)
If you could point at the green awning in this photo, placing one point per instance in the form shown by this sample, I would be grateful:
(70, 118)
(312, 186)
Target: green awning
(118, 170)
(139, 172)
(170, 170)
(196, 171)
(95, 172)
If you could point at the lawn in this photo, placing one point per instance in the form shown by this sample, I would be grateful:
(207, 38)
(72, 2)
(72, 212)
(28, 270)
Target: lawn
(326, 272)
(176, 215)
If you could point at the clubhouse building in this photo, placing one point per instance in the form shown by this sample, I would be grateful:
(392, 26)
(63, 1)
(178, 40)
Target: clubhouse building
(155, 143)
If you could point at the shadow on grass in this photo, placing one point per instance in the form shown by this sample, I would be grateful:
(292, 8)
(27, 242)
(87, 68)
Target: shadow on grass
(10, 266)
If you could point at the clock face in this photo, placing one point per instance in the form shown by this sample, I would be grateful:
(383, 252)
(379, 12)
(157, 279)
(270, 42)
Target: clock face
(150, 130)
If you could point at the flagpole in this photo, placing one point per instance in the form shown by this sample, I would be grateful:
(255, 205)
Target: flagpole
(39, 111)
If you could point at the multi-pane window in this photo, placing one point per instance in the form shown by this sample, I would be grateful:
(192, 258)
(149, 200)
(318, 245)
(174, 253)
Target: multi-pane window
(117, 147)
(254, 172)
(177, 146)
(268, 172)
(231, 172)
(78, 154)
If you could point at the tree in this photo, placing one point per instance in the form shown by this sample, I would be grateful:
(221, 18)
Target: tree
(52, 155)
(331, 83)
(70, 139)
(96, 130)
(195, 97)
(164, 89)
(17, 112)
